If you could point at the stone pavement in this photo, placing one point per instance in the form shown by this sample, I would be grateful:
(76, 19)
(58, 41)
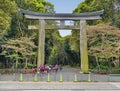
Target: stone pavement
(58, 86)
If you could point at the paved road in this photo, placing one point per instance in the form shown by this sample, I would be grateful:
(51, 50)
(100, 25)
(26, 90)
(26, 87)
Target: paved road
(58, 86)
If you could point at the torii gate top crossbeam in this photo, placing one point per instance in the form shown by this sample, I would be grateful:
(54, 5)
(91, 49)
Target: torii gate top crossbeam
(62, 16)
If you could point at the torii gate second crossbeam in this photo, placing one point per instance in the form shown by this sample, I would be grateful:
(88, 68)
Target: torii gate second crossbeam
(82, 17)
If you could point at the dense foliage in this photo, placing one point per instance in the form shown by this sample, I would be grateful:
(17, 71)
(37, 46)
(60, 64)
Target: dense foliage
(103, 39)
(18, 45)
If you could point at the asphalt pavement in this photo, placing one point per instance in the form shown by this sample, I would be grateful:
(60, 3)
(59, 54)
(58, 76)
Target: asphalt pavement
(59, 86)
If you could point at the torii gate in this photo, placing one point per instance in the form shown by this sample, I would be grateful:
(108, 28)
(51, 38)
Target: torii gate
(82, 17)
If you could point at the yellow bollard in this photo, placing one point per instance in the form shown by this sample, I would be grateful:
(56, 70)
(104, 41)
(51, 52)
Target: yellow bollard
(61, 79)
(89, 78)
(35, 78)
(21, 78)
(48, 79)
(75, 78)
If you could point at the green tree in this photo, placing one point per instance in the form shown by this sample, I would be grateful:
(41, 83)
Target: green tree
(22, 48)
(116, 14)
(102, 44)
(7, 9)
(96, 5)
(19, 27)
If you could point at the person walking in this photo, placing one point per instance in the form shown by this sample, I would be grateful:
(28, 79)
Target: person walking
(56, 67)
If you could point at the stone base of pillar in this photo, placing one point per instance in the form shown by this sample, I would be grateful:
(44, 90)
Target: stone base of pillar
(84, 71)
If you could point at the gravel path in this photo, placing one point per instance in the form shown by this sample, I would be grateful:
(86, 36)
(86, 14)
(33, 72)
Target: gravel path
(34, 86)
(66, 75)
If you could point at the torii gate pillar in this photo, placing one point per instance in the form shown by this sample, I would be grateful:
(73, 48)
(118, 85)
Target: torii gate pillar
(41, 43)
(83, 47)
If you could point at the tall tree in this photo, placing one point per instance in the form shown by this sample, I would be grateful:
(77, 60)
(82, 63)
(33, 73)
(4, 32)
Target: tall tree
(18, 26)
(96, 5)
(7, 9)
(116, 14)
(22, 48)
(102, 43)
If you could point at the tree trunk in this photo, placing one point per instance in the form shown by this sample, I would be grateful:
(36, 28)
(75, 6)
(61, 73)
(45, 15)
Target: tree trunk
(16, 66)
(119, 57)
(26, 61)
(35, 61)
(97, 63)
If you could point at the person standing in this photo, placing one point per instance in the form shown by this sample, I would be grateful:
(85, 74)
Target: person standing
(56, 67)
